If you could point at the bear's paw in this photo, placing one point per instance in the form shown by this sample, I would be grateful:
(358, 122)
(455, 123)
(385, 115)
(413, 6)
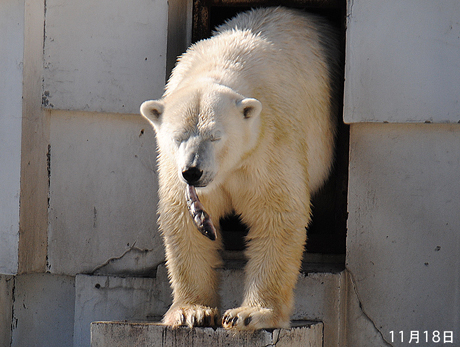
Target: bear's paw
(252, 318)
(191, 316)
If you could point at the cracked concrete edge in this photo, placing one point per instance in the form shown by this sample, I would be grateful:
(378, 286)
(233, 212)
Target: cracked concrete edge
(361, 329)
(128, 263)
(108, 261)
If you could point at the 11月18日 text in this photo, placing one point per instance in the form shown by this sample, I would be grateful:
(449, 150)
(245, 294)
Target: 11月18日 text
(415, 337)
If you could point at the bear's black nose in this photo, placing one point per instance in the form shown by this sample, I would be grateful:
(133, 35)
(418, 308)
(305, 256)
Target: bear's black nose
(192, 175)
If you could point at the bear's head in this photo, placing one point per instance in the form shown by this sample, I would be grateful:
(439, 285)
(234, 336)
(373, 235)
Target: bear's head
(204, 130)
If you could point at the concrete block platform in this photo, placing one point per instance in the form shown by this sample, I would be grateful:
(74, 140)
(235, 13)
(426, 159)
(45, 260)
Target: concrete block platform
(117, 334)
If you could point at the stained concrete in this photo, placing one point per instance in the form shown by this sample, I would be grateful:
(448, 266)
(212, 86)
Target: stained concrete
(6, 308)
(43, 307)
(11, 69)
(118, 298)
(318, 297)
(118, 334)
(33, 212)
(103, 195)
(403, 242)
(401, 61)
(104, 56)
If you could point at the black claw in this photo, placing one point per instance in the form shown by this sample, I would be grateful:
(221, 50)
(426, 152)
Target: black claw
(182, 319)
(247, 320)
(207, 321)
(234, 321)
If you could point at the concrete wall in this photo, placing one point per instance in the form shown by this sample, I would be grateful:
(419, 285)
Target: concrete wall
(72, 149)
(43, 311)
(402, 61)
(403, 241)
(102, 193)
(11, 67)
(33, 213)
(105, 298)
(403, 245)
(6, 308)
(104, 56)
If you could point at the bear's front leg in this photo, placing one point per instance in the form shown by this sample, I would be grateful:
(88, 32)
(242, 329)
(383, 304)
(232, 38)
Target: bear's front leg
(275, 248)
(191, 259)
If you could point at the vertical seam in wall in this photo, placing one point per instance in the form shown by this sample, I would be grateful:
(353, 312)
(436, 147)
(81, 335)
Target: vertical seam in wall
(322, 336)
(33, 209)
(44, 97)
(14, 321)
(44, 26)
(47, 120)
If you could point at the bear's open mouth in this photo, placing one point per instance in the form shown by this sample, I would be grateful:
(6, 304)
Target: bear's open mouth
(200, 217)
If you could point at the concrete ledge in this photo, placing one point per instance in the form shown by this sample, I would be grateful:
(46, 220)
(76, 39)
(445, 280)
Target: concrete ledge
(114, 334)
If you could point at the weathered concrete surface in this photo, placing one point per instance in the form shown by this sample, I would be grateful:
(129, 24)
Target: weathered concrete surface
(41, 301)
(6, 309)
(117, 334)
(318, 297)
(103, 195)
(401, 61)
(403, 239)
(118, 298)
(33, 235)
(11, 68)
(360, 330)
(43, 310)
(322, 297)
(104, 56)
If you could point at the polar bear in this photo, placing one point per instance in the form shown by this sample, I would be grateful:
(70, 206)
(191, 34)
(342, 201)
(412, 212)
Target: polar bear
(247, 119)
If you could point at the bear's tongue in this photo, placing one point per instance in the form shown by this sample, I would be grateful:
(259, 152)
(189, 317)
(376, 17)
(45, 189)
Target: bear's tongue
(199, 215)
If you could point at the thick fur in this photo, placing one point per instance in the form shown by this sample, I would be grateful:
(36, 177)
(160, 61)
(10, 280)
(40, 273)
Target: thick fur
(252, 108)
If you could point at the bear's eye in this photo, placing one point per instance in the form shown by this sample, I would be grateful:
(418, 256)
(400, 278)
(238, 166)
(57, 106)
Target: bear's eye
(177, 140)
(179, 137)
(216, 137)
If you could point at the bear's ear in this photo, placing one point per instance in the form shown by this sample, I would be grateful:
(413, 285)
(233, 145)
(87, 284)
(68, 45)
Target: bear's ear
(249, 107)
(152, 110)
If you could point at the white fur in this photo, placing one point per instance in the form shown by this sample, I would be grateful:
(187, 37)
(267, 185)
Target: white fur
(251, 107)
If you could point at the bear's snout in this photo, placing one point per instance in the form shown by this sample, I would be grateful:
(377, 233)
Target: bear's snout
(192, 175)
